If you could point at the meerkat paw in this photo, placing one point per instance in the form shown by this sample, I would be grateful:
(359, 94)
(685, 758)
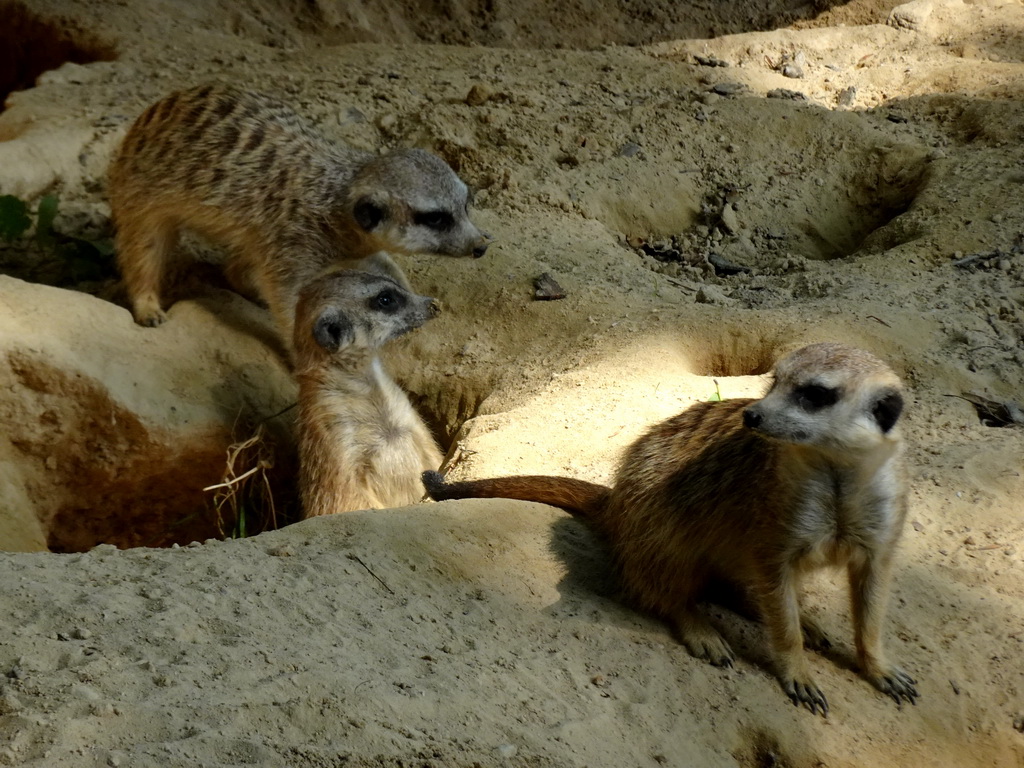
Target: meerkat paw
(806, 692)
(148, 313)
(896, 684)
(703, 641)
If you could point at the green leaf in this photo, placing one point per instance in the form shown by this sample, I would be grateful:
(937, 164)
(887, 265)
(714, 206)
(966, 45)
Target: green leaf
(717, 396)
(14, 218)
(46, 212)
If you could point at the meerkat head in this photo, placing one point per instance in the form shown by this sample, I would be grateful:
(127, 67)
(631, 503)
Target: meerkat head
(830, 396)
(351, 309)
(410, 200)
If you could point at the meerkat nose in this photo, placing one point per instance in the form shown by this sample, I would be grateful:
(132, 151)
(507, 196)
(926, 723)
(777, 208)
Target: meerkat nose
(752, 419)
(480, 250)
(434, 307)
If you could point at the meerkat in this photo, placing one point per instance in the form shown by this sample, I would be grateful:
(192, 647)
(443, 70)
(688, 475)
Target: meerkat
(756, 493)
(246, 172)
(361, 444)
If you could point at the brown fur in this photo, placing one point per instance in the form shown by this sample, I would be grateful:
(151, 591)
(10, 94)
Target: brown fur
(248, 173)
(756, 492)
(361, 444)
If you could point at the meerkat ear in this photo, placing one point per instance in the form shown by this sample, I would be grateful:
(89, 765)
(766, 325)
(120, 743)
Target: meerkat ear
(332, 330)
(887, 410)
(369, 213)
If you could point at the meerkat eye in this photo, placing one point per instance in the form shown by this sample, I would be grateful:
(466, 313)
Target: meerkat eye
(387, 301)
(434, 219)
(812, 397)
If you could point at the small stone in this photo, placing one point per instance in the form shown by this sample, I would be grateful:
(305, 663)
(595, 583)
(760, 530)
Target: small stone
(912, 16)
(546, 288)
(724, 267)
(599, 681)
(709, 294)
(730, 222)
(728, 89)
(786, 93)
(81, 633)
(846, 97)
(917, 526)
(1003, 265)
(284, 550)
(353, 115)
(387, 122)
(709, 61)
(628, 149)
(9, 704)
(1018, 723)
(479, 94)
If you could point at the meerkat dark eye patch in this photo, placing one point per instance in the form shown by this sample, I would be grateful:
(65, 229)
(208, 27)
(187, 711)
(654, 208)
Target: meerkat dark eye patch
(332, 330)
(434, 219)
(368, 214)
(388, 300)
(813, 397)
(887, 410)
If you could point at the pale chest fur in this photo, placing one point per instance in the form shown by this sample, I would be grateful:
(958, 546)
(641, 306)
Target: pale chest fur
(841, 513)
(364, 446)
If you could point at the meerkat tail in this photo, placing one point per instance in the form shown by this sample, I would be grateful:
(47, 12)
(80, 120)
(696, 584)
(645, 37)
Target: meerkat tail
(577, 497)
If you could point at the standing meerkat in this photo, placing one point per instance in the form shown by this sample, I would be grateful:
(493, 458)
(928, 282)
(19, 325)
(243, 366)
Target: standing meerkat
(361, 444)
(756, 493)
(245, 171)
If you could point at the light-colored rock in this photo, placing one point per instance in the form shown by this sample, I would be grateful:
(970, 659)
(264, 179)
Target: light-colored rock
(113, 430)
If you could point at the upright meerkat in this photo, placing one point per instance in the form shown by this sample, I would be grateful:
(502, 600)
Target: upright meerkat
(248, 173)
(361, 444)
(757, 493)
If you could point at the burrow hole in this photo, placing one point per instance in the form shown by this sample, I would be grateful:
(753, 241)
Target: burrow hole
(31, 44)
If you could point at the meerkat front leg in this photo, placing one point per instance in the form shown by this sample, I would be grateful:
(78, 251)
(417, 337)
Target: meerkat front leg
(780, 608)
(143, 247)
(869, 582)
(701, 639)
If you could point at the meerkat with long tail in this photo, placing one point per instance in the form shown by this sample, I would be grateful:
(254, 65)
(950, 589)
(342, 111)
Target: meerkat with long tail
(757, 493)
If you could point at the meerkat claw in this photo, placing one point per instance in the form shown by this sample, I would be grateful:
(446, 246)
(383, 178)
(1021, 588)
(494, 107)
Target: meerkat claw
(807, 694)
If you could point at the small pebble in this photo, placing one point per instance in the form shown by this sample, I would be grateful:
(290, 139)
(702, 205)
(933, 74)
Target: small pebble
(728, 89)
(846, 97)
(479, 94)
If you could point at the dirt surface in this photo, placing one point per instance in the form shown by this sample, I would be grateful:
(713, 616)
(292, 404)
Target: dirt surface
(862, 166)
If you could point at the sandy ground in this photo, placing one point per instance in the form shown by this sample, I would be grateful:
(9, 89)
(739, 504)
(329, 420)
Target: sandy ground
(490, 633)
